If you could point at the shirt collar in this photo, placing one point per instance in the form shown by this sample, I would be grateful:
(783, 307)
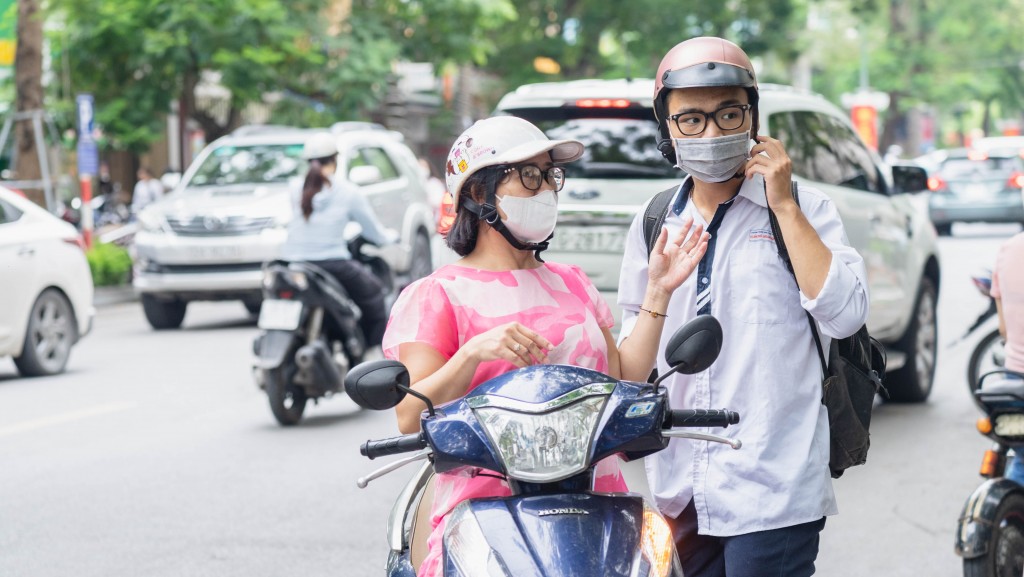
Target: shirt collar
(752, 189)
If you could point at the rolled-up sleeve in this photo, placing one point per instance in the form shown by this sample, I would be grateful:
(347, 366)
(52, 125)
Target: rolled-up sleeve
(843, 302)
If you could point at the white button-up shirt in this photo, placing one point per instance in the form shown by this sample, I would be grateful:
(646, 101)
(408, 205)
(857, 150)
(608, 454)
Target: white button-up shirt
(768, 369)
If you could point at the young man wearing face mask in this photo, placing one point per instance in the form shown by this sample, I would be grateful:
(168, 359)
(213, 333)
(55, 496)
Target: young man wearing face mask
(500, 307)
(757, 510)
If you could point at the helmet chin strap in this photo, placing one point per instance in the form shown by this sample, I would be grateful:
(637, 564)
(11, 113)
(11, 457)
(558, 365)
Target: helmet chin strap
(489, 214)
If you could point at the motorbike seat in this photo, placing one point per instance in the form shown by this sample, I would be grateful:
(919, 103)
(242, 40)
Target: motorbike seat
(421, 529)
(1002, 383)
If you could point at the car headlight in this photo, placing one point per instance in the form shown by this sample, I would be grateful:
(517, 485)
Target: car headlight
(151, 222)
(543, 442)
(657, 546)
(465, 544)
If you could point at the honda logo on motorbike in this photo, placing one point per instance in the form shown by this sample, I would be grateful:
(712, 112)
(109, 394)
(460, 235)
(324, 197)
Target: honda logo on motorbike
(562, 511)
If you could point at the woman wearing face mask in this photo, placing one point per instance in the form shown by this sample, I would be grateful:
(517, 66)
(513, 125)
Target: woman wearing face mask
(501, 307)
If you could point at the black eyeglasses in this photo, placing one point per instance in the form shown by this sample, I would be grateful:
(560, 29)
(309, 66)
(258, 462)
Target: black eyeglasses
(727, 118)
(533, 177)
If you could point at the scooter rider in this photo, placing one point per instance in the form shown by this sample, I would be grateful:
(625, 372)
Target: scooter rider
(321, 209)
(500, 307)
(1008, 294)
(756, 511)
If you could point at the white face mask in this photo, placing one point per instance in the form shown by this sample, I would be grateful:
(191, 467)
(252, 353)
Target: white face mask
(712, 159)
(530, 219)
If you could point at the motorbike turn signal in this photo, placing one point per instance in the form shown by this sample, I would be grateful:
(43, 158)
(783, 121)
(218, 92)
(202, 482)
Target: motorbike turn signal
(989, 464)
(984, 425)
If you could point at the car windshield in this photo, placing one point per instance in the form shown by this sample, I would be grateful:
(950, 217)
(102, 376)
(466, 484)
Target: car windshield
(966, 168)
(262, 163)
(617, 147)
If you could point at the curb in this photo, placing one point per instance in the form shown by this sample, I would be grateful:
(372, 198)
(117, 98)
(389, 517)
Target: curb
(112, 295)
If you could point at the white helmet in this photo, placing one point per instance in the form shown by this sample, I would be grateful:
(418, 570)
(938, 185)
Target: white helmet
(320, 145)
(501, 140)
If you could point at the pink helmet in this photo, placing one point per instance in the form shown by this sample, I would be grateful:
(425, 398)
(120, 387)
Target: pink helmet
(703, 62)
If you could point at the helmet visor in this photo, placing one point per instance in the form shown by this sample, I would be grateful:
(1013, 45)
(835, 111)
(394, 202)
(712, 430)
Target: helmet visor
(708, 74)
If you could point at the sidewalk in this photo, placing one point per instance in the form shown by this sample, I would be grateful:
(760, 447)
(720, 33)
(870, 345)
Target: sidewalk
(112, 295)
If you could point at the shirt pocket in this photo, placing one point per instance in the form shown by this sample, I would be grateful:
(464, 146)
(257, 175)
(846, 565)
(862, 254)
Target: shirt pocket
(761, 290)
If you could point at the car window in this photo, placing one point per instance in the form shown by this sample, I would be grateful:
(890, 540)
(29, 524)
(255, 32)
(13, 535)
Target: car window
(8, 213)
(619, 143)
(377, 157)
(824, 149)
(967, 167)
(263, 163)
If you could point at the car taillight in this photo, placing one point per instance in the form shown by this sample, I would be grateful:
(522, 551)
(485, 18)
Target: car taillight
(76, 240)
(447, 214)
(1016, 180)
(603, 103)
(935, 183)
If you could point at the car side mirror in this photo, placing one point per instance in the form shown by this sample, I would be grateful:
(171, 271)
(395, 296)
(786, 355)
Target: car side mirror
(694, 346)
(909, 178)
(380, 385)
(363, 175)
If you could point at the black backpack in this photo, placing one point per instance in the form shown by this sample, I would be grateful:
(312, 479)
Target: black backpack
(851, 377)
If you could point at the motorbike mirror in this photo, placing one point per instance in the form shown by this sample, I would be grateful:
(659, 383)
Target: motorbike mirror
(377, 385)
(380, 385)
(693, 347)
(909, 178)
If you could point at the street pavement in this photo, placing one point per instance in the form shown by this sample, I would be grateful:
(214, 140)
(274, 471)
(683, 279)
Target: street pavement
(156, 455)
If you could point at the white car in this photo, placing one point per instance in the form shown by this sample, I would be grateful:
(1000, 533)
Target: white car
(622, 168)
(45, 287)
(209, 237)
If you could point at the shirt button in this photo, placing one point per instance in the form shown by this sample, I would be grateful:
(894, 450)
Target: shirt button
(704, 280)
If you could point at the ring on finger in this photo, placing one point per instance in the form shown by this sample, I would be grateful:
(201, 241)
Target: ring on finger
(516, 347)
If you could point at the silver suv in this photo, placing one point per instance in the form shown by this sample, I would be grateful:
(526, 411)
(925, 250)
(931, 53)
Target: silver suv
(209, 238)
(622, 168)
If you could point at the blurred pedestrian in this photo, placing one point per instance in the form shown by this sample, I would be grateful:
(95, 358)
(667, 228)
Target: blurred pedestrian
(147, 190)
(435, 188)
(1008, 292)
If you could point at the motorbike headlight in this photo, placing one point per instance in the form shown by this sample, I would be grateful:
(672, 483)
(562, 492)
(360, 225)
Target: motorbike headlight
(546, 442)
(657, 546)
(467, 547)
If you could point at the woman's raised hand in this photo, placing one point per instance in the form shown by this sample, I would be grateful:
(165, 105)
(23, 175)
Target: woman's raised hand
(511, 342)
(672, 261)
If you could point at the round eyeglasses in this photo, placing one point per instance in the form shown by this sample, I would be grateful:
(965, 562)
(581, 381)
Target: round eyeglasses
(695, 122)
(533, 177)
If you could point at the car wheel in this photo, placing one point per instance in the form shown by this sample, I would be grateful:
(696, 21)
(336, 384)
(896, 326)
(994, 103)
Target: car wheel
(421, 263)
(913, 382)
(163, 314)
(50, 334)
(944, 229)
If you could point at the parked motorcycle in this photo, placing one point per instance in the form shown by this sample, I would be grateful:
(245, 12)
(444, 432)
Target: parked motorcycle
(990, 531)
(309, 333)
(543, 428)
(988, 354)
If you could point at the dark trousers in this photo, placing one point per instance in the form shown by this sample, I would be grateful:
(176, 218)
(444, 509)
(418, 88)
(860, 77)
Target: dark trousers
(785, 552)
(367, 292)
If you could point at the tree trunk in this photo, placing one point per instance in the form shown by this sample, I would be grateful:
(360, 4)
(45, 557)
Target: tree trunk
(28, 78)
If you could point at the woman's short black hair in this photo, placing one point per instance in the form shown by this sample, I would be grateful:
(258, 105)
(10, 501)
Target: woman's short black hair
(462, 236)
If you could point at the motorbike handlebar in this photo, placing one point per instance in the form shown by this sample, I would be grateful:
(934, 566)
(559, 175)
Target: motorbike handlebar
(393, 446)
(702, 418)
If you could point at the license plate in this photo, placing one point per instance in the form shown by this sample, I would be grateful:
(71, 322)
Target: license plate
(611, 239)
(977, 191)
(215, 253)
(280, 315)
(1010, 425)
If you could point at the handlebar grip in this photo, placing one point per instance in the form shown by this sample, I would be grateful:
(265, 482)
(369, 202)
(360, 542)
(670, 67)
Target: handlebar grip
(393, 446)
(703, 418)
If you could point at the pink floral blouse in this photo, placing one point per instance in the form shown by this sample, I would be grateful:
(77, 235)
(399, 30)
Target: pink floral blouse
(456, 303)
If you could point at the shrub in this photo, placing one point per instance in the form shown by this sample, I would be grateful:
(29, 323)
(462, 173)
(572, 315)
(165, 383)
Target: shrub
(109, 263)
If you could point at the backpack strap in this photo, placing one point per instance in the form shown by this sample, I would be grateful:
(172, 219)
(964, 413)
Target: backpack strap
(654, 216)
(780, 244)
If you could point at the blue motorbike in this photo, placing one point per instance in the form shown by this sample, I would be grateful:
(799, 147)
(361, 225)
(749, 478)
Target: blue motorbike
(543, 428)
